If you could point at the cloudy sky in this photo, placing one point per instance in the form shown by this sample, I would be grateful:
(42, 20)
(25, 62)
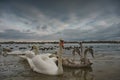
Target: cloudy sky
(55, 19)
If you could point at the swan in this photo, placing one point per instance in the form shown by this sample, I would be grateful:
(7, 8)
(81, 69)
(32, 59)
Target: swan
(5, 53)
(83, 55)
(85, 59)
(16, 52)
(34, 50)
(42, 63)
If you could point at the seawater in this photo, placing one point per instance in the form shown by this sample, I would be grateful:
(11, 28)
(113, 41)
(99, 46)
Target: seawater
(105, 66)
(107, 47)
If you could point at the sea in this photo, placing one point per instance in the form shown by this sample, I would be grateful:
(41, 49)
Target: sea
(106, 64)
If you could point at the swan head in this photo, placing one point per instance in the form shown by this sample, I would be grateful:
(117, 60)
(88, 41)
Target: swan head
(30, 54)
(35, 49)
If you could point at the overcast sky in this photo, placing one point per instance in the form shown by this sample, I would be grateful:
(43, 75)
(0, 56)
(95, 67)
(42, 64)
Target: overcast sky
(55, 19)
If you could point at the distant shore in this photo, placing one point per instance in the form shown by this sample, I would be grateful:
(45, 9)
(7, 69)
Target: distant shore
(54, 42)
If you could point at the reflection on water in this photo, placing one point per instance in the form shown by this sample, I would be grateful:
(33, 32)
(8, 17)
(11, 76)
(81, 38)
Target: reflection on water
(20, 69)
(80, 74)
(69, 74)
(105, 66)
(14, 68)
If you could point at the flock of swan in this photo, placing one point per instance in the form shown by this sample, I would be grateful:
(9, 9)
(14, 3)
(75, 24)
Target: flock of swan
(46, 63)
(42, 63)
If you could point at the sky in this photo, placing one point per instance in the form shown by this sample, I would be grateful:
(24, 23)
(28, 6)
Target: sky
(42, 20)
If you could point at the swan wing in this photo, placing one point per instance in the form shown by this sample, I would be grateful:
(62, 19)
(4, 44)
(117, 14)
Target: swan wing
(31, 63)
(47, 66)
(23, 57)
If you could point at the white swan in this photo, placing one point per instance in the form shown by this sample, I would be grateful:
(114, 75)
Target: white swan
(17, 52)
(44, 64)
(35, 52)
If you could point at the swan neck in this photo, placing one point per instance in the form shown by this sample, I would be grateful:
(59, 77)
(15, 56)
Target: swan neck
(60, 68)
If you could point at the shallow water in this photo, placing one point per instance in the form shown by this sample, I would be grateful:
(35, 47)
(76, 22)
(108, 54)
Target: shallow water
(12, 67)
(106, 66)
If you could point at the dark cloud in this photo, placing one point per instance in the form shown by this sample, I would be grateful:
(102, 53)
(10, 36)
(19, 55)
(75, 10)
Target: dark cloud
(28, 30)
(15, 34)
(44, 27)
(111, 33)
(41, 27)
(61, 8)
(38, 14)
(37, 27)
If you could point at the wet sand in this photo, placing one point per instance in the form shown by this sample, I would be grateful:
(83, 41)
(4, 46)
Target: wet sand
(106, 66)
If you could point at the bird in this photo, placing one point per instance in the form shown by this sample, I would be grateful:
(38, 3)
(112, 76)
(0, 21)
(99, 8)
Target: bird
(42, 63)
(76, 51)
(84, 59)
(35, 51)
(83, 54)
